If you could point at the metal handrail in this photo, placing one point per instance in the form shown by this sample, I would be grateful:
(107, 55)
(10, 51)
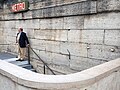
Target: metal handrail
(29, 47)
(41, 60)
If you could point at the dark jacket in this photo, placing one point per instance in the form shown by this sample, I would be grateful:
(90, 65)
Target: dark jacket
(23, 40)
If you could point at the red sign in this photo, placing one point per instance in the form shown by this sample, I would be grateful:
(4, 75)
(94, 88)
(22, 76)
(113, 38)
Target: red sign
(21, 6)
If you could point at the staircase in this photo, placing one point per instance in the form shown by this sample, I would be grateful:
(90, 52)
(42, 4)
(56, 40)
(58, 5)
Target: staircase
(11, 59)
(26, 63)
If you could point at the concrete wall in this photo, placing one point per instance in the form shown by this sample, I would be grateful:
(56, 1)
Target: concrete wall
(69, 35)
(101, 77)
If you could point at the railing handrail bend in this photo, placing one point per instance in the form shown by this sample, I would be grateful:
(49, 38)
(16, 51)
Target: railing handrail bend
(41, 60)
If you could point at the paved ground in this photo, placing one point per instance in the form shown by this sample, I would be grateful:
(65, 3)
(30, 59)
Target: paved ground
(12, 59)
(6, 56)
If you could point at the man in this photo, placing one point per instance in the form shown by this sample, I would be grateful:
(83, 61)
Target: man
(22, 41)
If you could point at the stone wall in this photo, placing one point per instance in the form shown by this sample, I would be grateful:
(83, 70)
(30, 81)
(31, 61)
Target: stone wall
(69, 35)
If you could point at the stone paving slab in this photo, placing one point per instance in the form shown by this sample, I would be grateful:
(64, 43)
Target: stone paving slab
(6, 56)
(19, 62)
(12, 59)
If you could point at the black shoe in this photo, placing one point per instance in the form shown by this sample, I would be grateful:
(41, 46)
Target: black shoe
(21, 60)
(18, 60)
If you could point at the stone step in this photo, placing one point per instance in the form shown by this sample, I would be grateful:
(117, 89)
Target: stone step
(25, 65)
(33, 70)
(19, 62)
(11, 59)
(4, 56)
(28, 67)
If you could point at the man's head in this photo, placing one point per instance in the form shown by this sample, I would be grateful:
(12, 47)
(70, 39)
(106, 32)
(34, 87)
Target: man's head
(20, 29)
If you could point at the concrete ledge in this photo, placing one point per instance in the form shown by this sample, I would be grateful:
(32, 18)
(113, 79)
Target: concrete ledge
(39, 81)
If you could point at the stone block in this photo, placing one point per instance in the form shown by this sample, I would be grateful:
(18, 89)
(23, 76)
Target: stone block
(60, 59)
(21, 23)
(1, 39)
(81, 63)
(11, 39)
(103, 52)
(5, 83)
(108, 5)
(100, 21)
(8, 16)
(88, 7)
(38, 44)
(74, 35)
(46, 56)
(80, 8)
(33, 55)
(111, 52)
(92, 36)
(17, 16)
(62, 69)
(48, 12)
(49, 3)
(93, 6)
(42, 34)
(59, 2)
(68, 9)
(34, 62)
(20, 87)
(57, 23)
(36, 5)
(52, 46)
(76, 22)
(37, 13)
(2, 23)
(1, 32)
(59, 11)
(27, 15)
(2, 17)
(10, 31)
(76, 49)
(13, 48)
(42, 45)
(56, 35)
(30, 33)
(9, 24)
(71, 9)
(34, 23)
(45, 24)
(112, 37)
(86, 36)
(72, 1)
(40, 69)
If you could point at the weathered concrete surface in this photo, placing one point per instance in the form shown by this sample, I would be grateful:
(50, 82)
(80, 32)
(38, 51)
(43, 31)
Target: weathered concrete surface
(101, 77)
(102, 21)
(108, 5)
(69, 35)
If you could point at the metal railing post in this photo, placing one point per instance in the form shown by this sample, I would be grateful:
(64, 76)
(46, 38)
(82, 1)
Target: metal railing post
(28, 55)
(44, 68)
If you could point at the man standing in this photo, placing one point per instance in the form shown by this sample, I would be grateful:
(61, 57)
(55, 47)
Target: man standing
(22, 41)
